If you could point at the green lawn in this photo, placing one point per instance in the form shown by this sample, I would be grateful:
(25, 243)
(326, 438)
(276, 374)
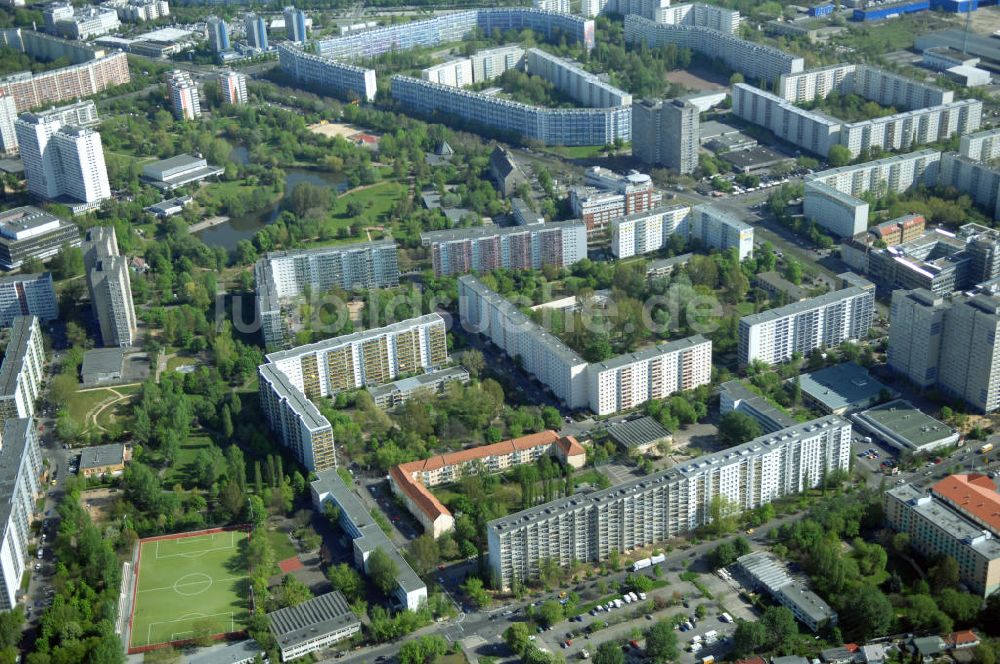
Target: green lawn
(283, 548)
(378, 200)
(190, 587)
(180, 361)
(82, 403)
(578, 151)
(180, 470)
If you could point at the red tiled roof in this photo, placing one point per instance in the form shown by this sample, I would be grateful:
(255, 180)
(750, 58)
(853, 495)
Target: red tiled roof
(964, 638)
(403, 474)
(756, 659)
(851, 647)
(974, 494)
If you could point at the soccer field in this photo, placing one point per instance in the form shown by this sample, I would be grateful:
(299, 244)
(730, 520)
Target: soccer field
(188, 587)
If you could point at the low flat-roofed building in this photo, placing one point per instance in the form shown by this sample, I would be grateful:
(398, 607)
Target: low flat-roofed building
(904, 426)
(102, 366)
(838, 655)
(313, 625)
(178, 171)
(734, 395)
(169, 207)
(399, 392)
(761, 571)
(29, 232)
(640, 436)
(753, 159)
(843, 388)
(366, 535)
(664, 267)
(107, 460)
(242, 652)
(776, 285)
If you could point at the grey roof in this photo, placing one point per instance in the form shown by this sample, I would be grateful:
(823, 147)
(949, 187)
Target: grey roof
(963, 531)
(102, 455)
(174, 162)
(502, 162)
(765, 569)
(13, 359)
(234, 653)
(429, 379)
(759, 407)
(302, 406)
(12, 456)
(666, 264)
(807, 602)
(651, 352)
(24, 278)
(318, 616)
(907, 424)
(334, 342)
(967, 42)
(337, 249)
(475, 232)
(102, 361)
(638, 432)
(838, 654)
(844, 385)
(370, 536)
(929, 645)
(803, 306)
(789, 659)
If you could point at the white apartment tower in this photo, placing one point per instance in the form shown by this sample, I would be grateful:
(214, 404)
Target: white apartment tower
(8, 114)
(20, 469)
(256, 28)
(22, 370)
(184, 95)
(295, 24)
(233, 86)
(62, 160)
(110, 287)
(826, 321)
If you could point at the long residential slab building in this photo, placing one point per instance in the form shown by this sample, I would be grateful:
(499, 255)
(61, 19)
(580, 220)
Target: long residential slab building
(22, 370)
(284, 275)
(485, 248)
(652, 509)
(650, 231)
(20, 487)
(619, 383)
(826, 321)
(753, 60)
(290, 379)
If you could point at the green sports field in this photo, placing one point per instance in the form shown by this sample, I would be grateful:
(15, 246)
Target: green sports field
(190, 587)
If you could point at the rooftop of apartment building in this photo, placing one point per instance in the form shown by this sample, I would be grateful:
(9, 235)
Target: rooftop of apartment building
(845, 386)
(803, 306)
(950, 521)
(650, 352)
(15, 439)
(886, 161)
(310, 415)
(17, 349)
(474, 232)
(320, 346)
(974, 493)
(322, 251)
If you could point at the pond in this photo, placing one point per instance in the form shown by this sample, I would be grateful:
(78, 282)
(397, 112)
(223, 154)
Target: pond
(226, 235)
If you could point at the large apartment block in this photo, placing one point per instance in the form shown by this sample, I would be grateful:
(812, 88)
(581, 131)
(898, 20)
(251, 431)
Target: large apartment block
(967, 365)
(327, 74)
(981, 146)
(482, 249)
(20, 470)
(666, 132)
(957, 518)
(826, 321)
(371, 357)
(606, 387)
(878, 85)
(66, 83)
(818, 132)
(477, 68)
(717, 230)
(22, 370)
(630, 380)
(976, 178)
(651, 231)
(753, 60)
(833, 197)
(646, 511)
(110, 287)
(296, 420)
(27, 295)
(574, 81)
(281, 275)
(551, 126)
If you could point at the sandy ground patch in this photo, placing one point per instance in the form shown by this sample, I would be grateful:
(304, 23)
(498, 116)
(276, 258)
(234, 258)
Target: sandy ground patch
(332, 129)
(98, 503)
(697, 79)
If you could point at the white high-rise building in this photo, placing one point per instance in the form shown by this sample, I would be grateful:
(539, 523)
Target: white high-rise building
(8, 114)
(62, 160)
(31, 294)
(20, 470)
(295, 24)
(110, 287)
(233, 86)
(184, 95)
(561, 6)
(23, 369)
(826, 321)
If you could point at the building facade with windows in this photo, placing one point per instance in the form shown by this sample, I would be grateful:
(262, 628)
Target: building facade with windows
(284, 275)
(665, 132)
(30, 232)
(652, 509)
(34, 90)
(20, 472)
(825, 321)
(184, 96)
(482, 249)
(110, 287)
(27, 295)
(233, 86)
(327, 74)
(22, 370)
